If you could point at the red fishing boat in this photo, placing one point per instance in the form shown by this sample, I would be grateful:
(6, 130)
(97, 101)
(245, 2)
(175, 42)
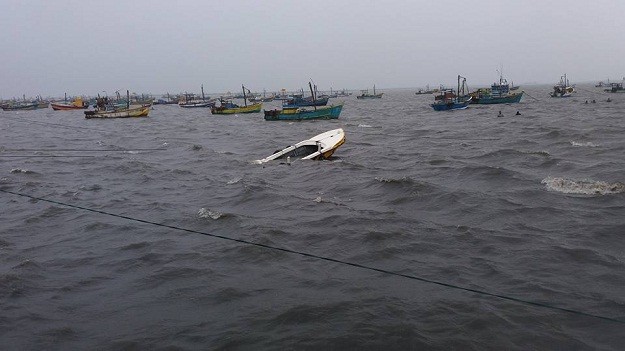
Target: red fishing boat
(77, 104)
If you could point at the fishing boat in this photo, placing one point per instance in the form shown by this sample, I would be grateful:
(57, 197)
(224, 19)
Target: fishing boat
(319, 147)
(228, 107)
(447, 99)
(263, 98)
(104, 110)
(41, 103)
(601, 84)
(167, 100)
(139, 111)
(20, 105)
(426, 91)
(616, 87)
(282, 95)
(499, 93)
(343, 93)
(562, 89)
(76, 104)
(191, 102)
(364, 94)
(304, 113)
(298, 100)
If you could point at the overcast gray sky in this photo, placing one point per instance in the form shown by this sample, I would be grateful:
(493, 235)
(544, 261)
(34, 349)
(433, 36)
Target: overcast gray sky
(86, 47)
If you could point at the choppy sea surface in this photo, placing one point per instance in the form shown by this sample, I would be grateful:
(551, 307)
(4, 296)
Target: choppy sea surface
(529, 206)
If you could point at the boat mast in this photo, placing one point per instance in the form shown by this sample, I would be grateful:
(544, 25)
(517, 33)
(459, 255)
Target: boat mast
(203, 99)
(313, 95)
(244, 96)
(127, 99)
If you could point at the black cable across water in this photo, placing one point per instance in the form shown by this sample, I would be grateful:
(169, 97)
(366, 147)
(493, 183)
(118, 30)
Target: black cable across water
(328, 259)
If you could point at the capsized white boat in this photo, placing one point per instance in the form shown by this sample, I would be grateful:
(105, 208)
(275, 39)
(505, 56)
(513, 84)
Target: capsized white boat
(319, 147)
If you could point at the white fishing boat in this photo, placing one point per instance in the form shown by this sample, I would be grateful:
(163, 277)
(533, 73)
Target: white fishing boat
(319, 147)
(563, 89)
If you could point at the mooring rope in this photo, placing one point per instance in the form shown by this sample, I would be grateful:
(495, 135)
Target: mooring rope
(532, 96)
(328, 259)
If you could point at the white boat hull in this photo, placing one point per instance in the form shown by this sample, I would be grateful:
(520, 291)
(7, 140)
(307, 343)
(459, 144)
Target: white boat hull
(321, 146)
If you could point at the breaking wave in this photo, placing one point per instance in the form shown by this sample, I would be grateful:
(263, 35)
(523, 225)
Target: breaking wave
(234, 180)
(402, 180)
(583, 187)
(207, 213)
(586, 144)
(19, 170)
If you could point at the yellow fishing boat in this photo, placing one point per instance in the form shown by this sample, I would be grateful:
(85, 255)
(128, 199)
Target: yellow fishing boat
(102, 110)
(140, 111)
(230, 108)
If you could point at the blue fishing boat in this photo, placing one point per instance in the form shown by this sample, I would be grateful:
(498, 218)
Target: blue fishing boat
(447, 99)
(304, 113)
(298, 100)
(20, 105)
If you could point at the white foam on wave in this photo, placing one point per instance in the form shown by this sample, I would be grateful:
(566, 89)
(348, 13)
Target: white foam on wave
(235, 180)
(19, 170)
(207, 213)
(586, 144)
(364, 126)
(583, 187)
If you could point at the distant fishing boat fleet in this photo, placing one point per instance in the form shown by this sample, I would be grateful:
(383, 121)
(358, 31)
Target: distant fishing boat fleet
(295, 105)
(499, 93)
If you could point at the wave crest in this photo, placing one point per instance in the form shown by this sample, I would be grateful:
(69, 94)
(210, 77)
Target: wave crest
(583, 187)
(234, 180)
(402, 180)
(587, 144)
(24, 171)
(207, 213)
